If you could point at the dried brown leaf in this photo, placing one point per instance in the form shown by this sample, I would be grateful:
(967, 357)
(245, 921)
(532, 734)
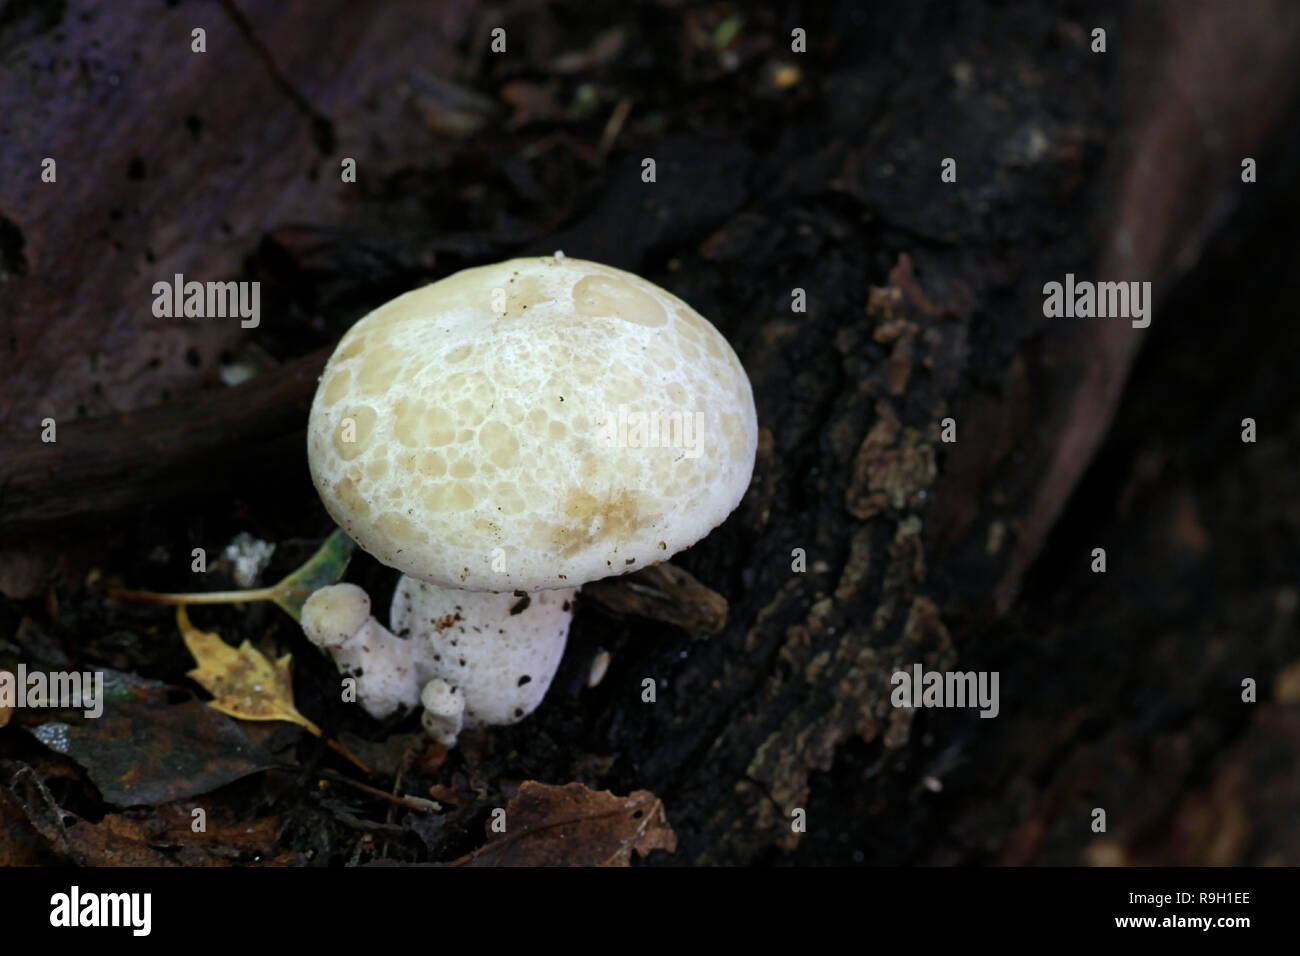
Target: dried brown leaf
(574, 825)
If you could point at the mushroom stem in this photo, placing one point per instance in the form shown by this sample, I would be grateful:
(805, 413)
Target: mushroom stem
(386, 668)
(496, 651)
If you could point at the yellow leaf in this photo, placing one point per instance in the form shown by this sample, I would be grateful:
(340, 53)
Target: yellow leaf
(242, 681)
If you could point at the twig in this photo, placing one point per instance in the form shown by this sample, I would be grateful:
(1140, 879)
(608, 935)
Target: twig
(615, 125)
(411, 803)
(207, 597)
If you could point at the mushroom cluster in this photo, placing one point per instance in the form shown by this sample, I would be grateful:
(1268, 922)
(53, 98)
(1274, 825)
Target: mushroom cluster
(502, 437)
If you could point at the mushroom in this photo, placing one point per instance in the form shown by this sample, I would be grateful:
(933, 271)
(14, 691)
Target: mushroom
(502, 437)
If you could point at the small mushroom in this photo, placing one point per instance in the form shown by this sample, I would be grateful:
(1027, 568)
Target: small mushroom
(338, 619)
(502, 437)
(444, 711)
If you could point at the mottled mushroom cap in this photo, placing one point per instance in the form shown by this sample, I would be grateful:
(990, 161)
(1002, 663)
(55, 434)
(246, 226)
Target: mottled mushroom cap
(537, 423)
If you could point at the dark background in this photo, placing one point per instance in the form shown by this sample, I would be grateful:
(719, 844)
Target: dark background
(1120, 691)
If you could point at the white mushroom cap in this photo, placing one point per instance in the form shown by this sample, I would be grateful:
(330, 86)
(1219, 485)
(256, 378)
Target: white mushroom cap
(490, 431)
(498, 652)
(333, 614)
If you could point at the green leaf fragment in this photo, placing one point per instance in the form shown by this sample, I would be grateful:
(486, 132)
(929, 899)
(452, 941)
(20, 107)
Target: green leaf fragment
(322, 569)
